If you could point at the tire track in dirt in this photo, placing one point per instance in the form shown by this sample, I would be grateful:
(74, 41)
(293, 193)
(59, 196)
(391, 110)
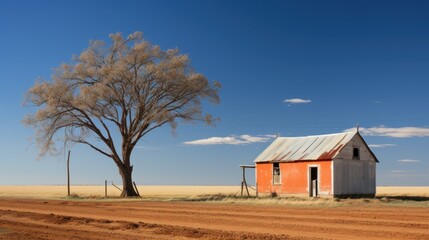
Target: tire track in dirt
(25, 225)
(296, 222)
(265, 223)
(379, 213)
(279, 215)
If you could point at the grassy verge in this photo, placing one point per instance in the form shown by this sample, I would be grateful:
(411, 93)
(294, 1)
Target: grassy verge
(386, 196)
(400, 201)
(403, 201)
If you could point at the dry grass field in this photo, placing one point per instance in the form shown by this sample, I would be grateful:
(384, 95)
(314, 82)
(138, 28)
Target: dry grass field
(207, 212)
(403, 191)
(97, 191)
(94, 191)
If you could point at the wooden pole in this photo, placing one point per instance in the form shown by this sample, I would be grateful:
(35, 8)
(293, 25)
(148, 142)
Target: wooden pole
(242, 182)
(68, 174)
(245, 182)
(105, 188)
(116, 186)
(247, 188)
(256, 189)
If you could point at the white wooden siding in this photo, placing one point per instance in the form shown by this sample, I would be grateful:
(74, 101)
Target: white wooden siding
(353, 176)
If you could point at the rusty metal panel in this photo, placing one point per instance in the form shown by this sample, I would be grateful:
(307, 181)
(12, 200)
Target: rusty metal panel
(321, 147)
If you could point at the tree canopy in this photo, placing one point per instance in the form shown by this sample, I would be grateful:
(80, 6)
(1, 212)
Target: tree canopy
(131, 87)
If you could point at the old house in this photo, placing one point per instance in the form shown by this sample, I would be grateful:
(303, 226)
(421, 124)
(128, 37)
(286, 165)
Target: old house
(336, 165)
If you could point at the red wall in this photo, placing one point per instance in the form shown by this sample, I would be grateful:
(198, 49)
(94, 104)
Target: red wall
(294, 177)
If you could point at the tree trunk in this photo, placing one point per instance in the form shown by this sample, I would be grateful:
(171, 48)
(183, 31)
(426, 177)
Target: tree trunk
(127, 182)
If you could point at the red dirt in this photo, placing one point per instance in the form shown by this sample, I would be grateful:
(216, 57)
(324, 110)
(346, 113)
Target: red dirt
(52, 219)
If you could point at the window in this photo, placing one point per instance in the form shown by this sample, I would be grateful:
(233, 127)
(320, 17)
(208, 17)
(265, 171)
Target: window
(356, 153)
(276, 173)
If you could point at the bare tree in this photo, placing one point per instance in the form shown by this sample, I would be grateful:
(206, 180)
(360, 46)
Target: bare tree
(131, 87)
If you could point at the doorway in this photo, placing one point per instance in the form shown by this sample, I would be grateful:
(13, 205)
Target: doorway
(313, 187)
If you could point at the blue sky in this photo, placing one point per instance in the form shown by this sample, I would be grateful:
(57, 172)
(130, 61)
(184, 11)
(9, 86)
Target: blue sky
(289, 67)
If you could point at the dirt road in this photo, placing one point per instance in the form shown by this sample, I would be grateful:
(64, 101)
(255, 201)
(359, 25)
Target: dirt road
(54, 219)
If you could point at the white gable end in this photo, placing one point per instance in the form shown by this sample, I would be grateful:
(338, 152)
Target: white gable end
(356, 141)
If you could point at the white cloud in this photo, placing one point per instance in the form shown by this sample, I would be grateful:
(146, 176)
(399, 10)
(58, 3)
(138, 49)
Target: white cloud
(231, 140)
(408, 161)
(402, 132)
(297, 100)
(147, 147)
(402, 171)
(381, 145)
(269, 135)
(253, 139)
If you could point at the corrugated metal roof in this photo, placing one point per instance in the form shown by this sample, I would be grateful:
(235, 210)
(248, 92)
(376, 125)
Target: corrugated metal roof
(287, 149)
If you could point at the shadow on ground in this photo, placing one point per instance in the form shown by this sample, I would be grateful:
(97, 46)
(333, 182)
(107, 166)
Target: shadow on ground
(404, 198)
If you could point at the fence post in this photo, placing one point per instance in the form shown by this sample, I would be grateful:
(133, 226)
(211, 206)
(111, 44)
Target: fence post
(68, 174)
